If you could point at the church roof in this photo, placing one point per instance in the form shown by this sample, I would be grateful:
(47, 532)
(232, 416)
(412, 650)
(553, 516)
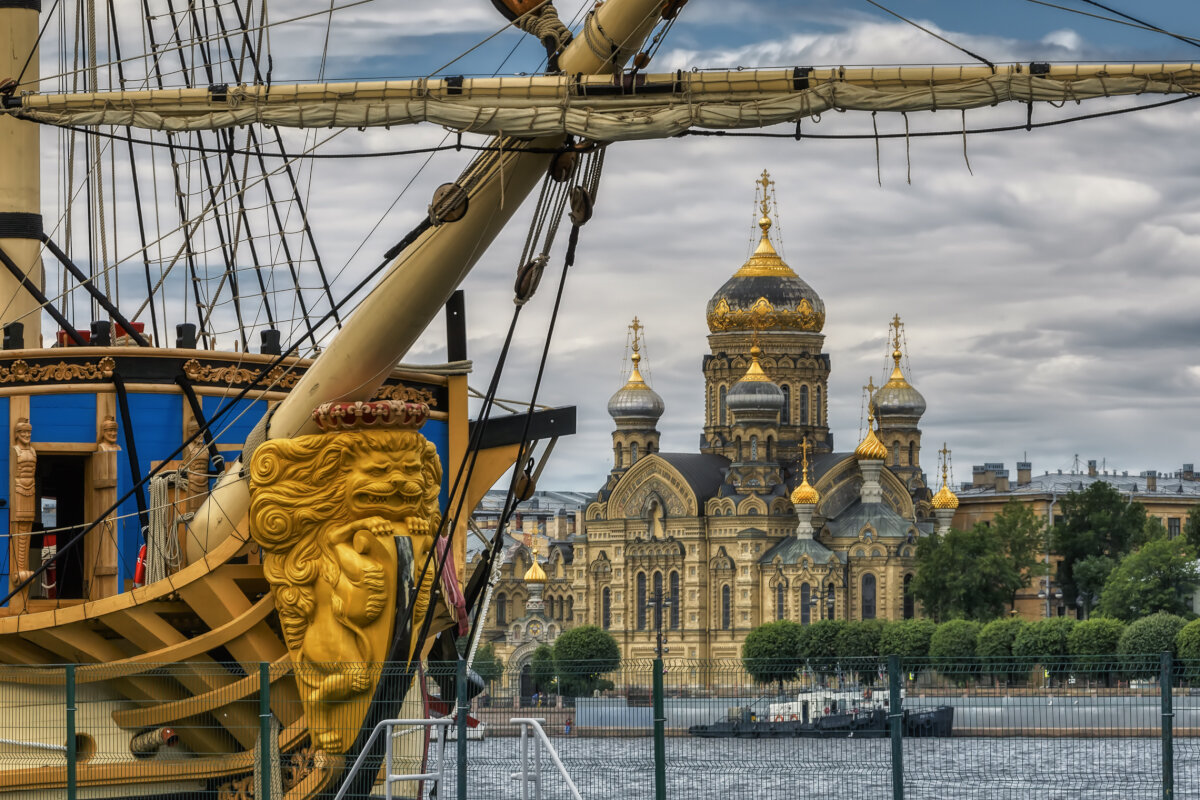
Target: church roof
(792, 548)
(883, 520)
(703, 472)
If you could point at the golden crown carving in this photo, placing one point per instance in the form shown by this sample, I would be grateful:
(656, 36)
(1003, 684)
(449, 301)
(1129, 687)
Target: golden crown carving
(763, 315)
(373, 414)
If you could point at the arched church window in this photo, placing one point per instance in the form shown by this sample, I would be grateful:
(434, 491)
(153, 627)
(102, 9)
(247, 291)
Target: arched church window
(550, 607)
(721, 406)
(754, 448)
(896, 453)
(909, 604)
(657, 596)
(803, 405)
(606, 608)
(561, 609)
(912, 458)
(805, 604)
(620, 459)
(785, 416)
(501, 609)
(641, 601)
(868, 596)
(676, 599)
(726, 610)
(817, 414)
(633, 454)
(779, 601)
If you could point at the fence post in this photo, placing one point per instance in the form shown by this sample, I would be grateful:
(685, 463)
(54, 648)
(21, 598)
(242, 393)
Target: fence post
(1168, 724)
(896, 720)
(462, 701)
(71, 754)
(264, 727)
(660, 735)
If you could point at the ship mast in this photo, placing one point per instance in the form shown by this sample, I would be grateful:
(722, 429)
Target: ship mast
(20, 177)
(414, 289)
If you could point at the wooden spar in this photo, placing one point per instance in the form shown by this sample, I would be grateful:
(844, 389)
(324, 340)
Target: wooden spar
(20, 177)
(418, 284)
(550, 90)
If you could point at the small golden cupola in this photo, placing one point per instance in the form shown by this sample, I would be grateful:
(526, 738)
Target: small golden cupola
(945, 502)
(535, 573)
(870, 448)
(805, 494)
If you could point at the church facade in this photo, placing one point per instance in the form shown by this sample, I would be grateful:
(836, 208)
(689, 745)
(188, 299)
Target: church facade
(768, 520)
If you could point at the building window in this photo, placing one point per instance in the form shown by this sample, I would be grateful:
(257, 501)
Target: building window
(550, 608)
(785, 416)
(805, 604)
(641, 601)
(779, 604)
(721, 406)
(571, 609)
(501, 609)
(868, 596)
(726, 610)
(909, 606)
(620, 459)
(657, 597)
(830, 602)
(912, 454)
(606, 608)
(803, 405)
(817, 404)
(633, 454)
(1172, 527)
(754, 448)
(896, 453)
(676, 599)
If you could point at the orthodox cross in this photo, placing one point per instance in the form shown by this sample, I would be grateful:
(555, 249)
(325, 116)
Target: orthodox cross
(945, 453)
(896, 326)
(766, 182)
(636, 327)
(804, 450)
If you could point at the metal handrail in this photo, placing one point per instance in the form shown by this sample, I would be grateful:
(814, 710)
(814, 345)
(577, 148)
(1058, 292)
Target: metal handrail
(389, 725)
(540, 740)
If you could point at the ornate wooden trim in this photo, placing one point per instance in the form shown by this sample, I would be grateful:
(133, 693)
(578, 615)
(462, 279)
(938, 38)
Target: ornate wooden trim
(22, 371)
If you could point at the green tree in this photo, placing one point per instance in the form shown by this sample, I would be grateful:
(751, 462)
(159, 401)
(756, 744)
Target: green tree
(1145, 639)
(1191, 529)
(995, 646)
(487, 665)
(541, 668)
(771, 652)
(1090, 576)
(582, 655)
(1187, 641)
(907, 638)
(1022, 534)
(1152, 530)
(858, 648)
(1046, 641)
(1159, 577)
(965, 574)
(1093, 645)
(952, 645)
(1096, 521)
(818, 645)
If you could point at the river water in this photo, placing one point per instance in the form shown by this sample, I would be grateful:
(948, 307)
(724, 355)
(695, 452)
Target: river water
(934, 769)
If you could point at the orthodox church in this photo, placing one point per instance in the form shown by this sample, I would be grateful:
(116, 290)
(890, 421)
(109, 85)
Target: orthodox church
(768, 520)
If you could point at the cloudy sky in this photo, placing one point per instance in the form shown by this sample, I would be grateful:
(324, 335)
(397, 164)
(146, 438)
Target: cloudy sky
(1049, 291)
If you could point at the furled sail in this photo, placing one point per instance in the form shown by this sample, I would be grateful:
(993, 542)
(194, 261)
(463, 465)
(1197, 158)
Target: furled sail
(601, 109)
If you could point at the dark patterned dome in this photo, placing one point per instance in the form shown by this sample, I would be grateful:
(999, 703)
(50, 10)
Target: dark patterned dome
(765, 294)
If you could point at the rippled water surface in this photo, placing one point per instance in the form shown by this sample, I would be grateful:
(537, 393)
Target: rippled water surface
(977, 769)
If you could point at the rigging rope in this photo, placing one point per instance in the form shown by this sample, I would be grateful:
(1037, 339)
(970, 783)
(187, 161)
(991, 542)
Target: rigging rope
(940, 38)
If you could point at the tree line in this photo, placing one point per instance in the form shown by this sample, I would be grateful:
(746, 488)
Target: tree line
(1098, 647)
(1113, 560)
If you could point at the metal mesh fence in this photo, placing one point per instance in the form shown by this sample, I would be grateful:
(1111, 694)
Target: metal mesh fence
(1098, 728)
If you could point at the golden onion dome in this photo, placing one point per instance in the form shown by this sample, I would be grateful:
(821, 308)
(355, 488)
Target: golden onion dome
(945, 498)
(870, 448)
(535, 573)
(765, 294)
(805, 494)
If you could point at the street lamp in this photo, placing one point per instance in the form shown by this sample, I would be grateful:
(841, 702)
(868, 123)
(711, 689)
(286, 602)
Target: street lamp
(1085, 601)
(1046, 594)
